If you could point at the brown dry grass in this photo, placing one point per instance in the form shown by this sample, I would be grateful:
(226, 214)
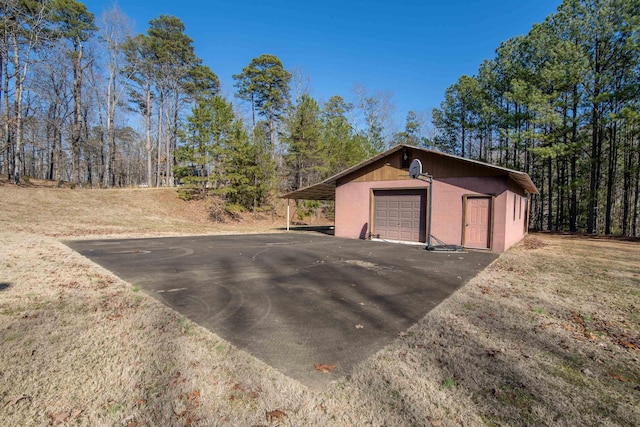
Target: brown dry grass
(62, 212)
(548, 335)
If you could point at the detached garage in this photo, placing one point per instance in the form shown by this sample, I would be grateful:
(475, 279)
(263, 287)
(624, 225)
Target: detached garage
(455, 201)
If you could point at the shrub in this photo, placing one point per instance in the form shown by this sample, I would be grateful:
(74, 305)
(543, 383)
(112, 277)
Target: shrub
(187, 193)
(216, 209)
(308, 208)
(233, 210)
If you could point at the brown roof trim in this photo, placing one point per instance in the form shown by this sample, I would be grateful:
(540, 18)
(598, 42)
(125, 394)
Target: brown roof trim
(320, 191)
(325, 190)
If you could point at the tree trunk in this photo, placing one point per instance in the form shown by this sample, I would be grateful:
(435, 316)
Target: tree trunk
(174, 138)
(148, 142)
(634, 226)
(110, 158)
(272, 133)
(611, 178)
(76, 136)
(3, 94)
(159, 139)
(561, 167)
(17, 105)
(573, 176)
(51, 137)
(516, 143)
(626, 181)
(596, 141)
(5, 91)
(593, 174)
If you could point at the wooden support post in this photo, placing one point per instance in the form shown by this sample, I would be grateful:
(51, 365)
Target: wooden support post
(288, 217)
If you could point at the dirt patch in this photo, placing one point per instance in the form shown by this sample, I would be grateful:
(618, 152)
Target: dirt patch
(544, 336)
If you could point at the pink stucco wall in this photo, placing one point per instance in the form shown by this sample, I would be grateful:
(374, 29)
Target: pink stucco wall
(448, 207)
(353, 208)
(515, 224)
(352, 205)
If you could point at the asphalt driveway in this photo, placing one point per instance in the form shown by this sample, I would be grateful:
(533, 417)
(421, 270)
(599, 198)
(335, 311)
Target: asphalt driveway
(294, 299)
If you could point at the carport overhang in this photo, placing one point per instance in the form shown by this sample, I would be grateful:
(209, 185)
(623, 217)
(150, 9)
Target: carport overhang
(322, 191)
(325, 190)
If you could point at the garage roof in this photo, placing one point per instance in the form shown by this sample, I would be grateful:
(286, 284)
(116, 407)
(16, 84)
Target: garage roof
(325, 190)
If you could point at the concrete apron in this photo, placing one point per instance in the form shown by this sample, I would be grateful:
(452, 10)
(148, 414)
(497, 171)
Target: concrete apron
(296, 299)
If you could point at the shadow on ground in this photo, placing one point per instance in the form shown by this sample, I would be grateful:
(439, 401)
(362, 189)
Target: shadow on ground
(293, 300)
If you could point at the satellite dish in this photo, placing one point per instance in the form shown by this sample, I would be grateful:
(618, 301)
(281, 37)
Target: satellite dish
(415, 170)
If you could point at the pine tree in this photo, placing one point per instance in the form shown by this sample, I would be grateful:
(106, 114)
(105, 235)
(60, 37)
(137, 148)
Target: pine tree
(343, 147)
(306, 153)
(265, 84)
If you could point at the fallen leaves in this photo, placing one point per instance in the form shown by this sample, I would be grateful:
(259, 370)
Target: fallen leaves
(626, 344)
(495, 352)
(485, 290)
(56, 418)
(531, 242)
(625, 340)
(177, 379)
(128, 421)
(543, 326)
(276, 415)
(242, 392)
(116, 305)
(323, 367)
(591, 335)
(17, 399)
(594, 329)
(618, 377)
(185, 406)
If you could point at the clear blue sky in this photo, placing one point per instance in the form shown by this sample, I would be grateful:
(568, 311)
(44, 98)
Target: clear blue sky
(414, 49)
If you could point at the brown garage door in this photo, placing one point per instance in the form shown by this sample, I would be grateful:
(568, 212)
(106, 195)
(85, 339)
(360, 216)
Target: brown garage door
(400, 215)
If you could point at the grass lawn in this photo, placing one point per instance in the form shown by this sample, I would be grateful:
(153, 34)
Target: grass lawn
(549, 334)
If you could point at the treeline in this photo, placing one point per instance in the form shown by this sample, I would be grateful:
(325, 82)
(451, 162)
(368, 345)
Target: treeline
(562, 104)
(85, 101)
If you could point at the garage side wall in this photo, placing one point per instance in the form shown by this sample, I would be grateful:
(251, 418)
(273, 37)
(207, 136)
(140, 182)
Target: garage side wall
(515, 216)
(448, 207)
(353, 205)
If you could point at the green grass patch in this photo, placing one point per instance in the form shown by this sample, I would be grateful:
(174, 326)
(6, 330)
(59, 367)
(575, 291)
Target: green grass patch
(185, 325)
(114, 409)
(448, 383)
(516, 396)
